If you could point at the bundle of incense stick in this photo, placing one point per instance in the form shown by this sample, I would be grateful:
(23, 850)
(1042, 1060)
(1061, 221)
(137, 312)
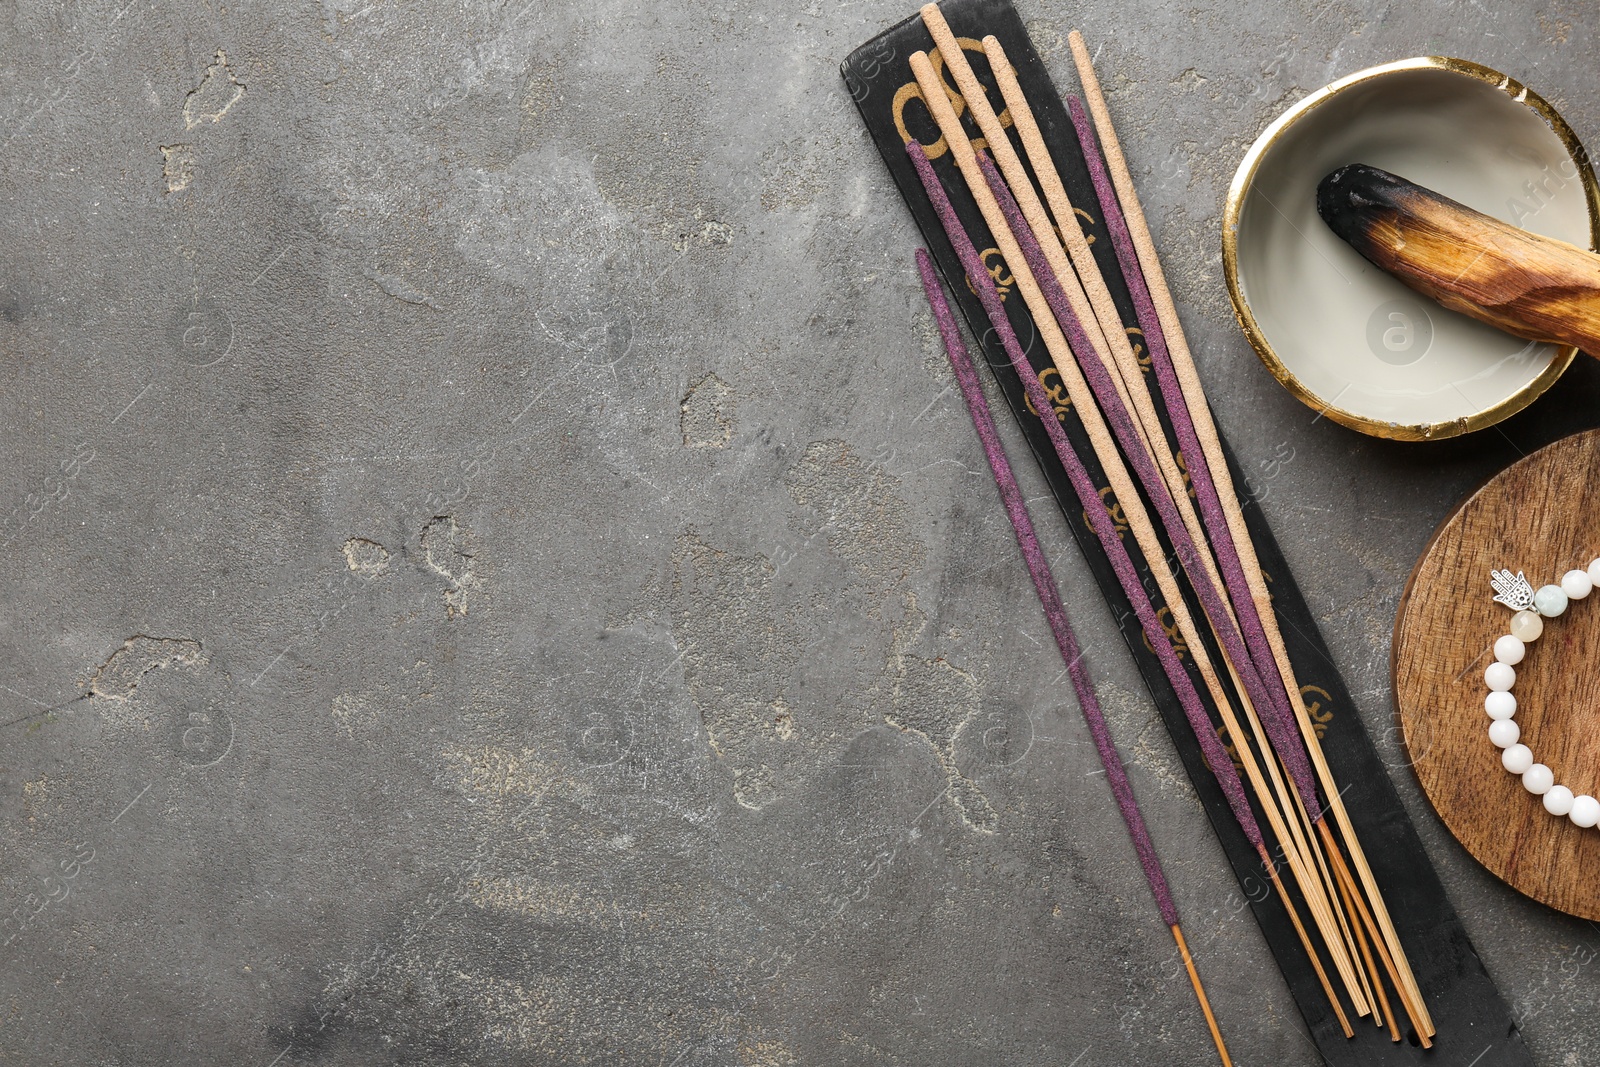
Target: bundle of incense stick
(1156, 442)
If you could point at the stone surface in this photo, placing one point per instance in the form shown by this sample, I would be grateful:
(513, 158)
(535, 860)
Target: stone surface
(497, 570)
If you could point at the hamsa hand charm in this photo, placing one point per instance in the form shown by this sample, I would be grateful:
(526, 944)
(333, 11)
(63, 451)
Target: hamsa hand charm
(1512, 590)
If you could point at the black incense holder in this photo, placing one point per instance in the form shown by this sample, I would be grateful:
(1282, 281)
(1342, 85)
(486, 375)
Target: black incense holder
(1475, 1026)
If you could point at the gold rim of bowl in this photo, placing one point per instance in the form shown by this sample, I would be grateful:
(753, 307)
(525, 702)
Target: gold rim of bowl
(1244, 178)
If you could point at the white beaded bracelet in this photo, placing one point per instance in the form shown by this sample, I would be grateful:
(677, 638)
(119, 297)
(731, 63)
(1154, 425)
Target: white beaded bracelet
(1532, 607)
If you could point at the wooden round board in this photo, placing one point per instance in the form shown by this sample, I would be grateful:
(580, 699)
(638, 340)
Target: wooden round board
(1540, 516)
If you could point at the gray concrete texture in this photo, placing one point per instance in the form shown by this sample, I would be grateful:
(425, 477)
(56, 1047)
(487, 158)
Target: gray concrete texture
(496, 570)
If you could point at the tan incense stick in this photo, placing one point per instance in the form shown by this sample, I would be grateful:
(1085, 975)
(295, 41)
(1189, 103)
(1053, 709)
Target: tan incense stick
(994, 133)
(1200, 412)
(1093, 292)
(1105, 448)
(1091, 300)
(1104, 309)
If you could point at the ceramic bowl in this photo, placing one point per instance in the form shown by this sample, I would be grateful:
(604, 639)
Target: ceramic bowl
(1350, 341)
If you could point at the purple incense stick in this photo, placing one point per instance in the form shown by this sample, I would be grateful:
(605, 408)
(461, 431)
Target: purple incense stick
(1277, 716)
(1045, 584)
(1211, 747)
(1120, 420)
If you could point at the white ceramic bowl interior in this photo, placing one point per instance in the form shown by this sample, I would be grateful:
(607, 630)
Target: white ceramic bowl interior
(1362, 347)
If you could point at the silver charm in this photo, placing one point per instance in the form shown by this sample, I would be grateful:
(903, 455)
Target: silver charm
(1512, 590)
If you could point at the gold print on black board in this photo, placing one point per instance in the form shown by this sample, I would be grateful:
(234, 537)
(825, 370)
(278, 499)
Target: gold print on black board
(995, 264)
(912, 91)
(1228, 745)
(1059, 400)
(1164, 617)
(1088, 225)
(1183, 466)
(1140, 352)
(1321, 714)
(1113, 509)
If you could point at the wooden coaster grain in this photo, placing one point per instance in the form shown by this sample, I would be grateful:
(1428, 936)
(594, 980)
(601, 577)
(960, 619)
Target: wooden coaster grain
(1541, 516)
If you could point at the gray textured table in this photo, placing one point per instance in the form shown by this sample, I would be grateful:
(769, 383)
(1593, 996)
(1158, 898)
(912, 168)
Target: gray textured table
(496, 570)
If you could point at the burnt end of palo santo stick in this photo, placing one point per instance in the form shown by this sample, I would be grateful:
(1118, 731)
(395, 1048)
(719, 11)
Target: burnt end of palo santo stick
(1531, 286)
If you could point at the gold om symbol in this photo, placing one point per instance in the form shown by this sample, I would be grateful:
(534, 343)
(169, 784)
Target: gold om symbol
(997, 270)
(912, 91)
(1183, 465)
(1320, 716)
(1140, 353)
(1114, 510)
(1089, 224)
(1170, 628)
(1059, 400)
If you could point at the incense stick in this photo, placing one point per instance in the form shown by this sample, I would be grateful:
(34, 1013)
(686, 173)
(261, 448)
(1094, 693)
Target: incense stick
(994, 133)
(1126, 494)
(1055, 613)
(1044, 584)
(1195, 401)
(1129, 371)
(1121, 423)
(1278, 719)
(1111, 323)
(1129, 383)
(1118, 417)
(1216, 755)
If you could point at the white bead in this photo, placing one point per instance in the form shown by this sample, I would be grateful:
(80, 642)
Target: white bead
(1550, 601)
(1538, 779)
(1526, 626)
(1500, 705)
(1500, 676)
(1504, 732)
(1576, 584)
(1508, 649)
(1517, 759)
(1585, 810)
(1594, 571)
(1558, 801)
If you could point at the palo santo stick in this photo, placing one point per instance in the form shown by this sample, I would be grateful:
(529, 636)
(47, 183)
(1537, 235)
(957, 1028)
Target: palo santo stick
(1532, 286)
(1216, 463)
